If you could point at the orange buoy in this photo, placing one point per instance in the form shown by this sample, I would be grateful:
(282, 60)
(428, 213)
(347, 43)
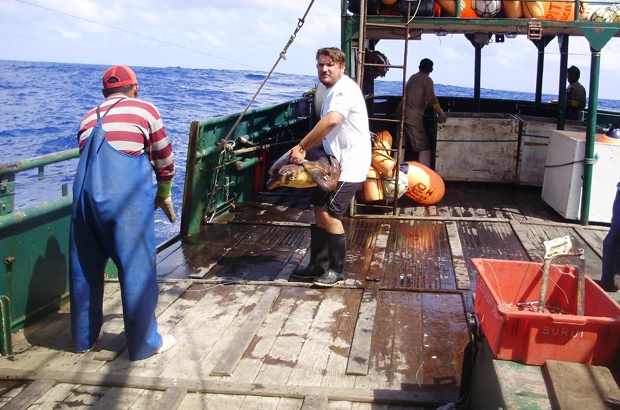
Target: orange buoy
(383, 163)
(373, 189)
(611, 136)
(383, 139)
(448, 8)
(549, 10)
(425, 185)
(512, 9)
(381, 159)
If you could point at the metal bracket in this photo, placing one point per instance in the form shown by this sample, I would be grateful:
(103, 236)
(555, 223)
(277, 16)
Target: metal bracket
(534, 30)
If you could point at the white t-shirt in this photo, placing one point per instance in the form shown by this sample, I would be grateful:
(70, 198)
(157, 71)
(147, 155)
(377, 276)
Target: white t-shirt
(349, 142)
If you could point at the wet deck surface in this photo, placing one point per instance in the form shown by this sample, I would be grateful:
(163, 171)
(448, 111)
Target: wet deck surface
(250, 336)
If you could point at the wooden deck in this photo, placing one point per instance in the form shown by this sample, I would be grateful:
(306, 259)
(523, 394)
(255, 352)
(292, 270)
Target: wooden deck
(249, 336)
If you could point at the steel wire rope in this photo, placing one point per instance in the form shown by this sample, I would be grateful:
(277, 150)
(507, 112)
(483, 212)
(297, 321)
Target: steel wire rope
(282, 56)
(224, 143)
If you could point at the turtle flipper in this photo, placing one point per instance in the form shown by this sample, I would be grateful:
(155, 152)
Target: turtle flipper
(280, 162)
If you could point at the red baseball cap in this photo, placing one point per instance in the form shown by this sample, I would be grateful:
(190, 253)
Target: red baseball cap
(118, 76)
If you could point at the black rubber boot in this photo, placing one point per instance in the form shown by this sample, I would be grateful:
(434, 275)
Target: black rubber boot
(319, 255)
(337, 257)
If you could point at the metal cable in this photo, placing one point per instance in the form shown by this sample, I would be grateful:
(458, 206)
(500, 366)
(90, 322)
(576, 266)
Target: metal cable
(282, 55)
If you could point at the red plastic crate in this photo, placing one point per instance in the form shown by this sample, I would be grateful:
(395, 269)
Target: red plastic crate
(525, 335)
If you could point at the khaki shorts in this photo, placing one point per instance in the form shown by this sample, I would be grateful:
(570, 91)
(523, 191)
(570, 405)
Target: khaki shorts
(416, 138)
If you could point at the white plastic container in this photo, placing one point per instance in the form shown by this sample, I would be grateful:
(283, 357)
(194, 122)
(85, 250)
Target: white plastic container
(563, 181)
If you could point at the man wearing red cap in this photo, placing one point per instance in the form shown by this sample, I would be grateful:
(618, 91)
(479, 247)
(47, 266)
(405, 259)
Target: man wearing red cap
(122, 142)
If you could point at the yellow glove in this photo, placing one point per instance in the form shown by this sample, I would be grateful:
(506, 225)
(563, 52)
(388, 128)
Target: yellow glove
(573, 103)
(166, 205)
(441, 116)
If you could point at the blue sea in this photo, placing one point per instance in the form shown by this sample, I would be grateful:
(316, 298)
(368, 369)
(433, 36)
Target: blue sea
(42, 104)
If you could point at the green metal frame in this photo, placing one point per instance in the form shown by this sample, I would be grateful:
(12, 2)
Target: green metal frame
(216, 178)
(597, 35)
(34, 247)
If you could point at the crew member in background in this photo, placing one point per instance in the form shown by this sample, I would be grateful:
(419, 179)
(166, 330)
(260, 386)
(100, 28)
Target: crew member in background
(575, 95)
(344, 133)
(610, 279)
(112, 215)
(420, 94)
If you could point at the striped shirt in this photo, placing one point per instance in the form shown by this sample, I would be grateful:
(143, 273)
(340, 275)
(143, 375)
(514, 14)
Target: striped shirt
(134, 127)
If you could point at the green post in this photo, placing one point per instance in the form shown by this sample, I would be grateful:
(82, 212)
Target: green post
(540, 45)
(562, 86)
(477, 75)
(5, 330)
(595, 66)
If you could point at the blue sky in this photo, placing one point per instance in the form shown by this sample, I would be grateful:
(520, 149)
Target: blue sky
(250, 34)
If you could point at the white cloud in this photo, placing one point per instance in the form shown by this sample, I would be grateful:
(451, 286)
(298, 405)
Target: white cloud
(250, 34)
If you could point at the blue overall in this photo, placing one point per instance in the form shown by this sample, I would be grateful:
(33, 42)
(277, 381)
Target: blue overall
(611, 247)
(112, 217)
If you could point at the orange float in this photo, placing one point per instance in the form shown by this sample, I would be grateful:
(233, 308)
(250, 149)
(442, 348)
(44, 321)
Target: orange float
(549, 10)
(381, 158)
(612, 136)
(512, 9)
(448, 8)
(425, 185)
(372, 187)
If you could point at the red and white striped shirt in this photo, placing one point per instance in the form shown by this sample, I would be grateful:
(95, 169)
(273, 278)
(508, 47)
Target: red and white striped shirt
(134, 127)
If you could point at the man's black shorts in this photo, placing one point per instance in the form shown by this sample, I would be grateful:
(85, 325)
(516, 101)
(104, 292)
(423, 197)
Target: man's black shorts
(336, 202)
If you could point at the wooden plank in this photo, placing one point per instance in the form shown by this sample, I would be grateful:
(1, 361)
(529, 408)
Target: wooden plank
(428, 397)
(530, 246)
(205, 269)
(193, 401)
(29, 394)
(295, 260)
(458, 260)
(592, 238)
(171, 399)
(282, 337)
(361, 238)
(322, 342)
(444, 325)
(359, 356)
(203, 315)
(170, 295)
(113, 345)
(336, 366)
(227, 363)
(315, 403)
(51, 399)
(376, 266)
(117, 397)
(580, 386)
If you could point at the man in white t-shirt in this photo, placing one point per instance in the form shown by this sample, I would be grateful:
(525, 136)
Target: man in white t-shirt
(344, 133)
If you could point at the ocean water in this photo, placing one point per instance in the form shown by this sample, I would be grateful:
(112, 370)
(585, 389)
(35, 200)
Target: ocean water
(42, 104)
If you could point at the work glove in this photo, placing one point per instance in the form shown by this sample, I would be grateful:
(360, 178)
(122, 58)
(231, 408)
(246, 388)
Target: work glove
(442, 117)
(166, 205)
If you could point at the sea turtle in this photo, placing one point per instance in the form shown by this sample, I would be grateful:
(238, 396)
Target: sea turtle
(317, 168)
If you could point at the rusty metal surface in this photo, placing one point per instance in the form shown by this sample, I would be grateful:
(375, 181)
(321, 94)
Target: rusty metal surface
(260, 252)
(417, 257)
(287, 205)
